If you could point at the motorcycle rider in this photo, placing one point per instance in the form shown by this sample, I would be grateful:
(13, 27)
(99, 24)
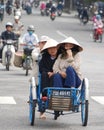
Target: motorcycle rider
(17, 29)
(2, 10)
(48, 7)
(8, 34)
(49, 4)
(17, 26)
(30, 38)
(9, 5)
(84, 14)
(43, 7)
(53, 9)
(60, 6)
(97, 23)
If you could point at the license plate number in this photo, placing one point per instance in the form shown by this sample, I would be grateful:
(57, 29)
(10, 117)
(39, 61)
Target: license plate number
(61, 93)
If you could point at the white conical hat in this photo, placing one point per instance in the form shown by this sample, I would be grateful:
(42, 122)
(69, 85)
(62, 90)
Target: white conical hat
(44, 38)
(72, 41)
(50, 43)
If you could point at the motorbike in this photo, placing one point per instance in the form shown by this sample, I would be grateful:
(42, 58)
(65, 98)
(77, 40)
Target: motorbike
(27, 64)
(28, 9)
(59, 12)
(9, 9)
(42, 12)
(97, 35)
(47, 11)
(83, 20)
(36, 3)
(53, 16)
(8, 53)
(1, 12)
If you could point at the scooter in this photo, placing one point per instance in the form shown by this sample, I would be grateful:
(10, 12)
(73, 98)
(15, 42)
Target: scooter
(9, 9)
(53, 16)
(1, 12)
(27, 64)
(47, 11)
(97, 35)
(59, 12)
(42, 12)
(8, 53)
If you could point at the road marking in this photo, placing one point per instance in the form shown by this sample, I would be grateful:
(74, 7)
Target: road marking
(99, 99)
(7, 100)
(60, 33)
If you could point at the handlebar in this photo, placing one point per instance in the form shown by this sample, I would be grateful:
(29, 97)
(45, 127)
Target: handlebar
(9, 42)
(29, 45)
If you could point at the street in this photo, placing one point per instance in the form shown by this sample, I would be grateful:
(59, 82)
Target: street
(14, 85)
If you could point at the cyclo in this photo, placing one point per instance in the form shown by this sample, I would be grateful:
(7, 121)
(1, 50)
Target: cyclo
(64, 100)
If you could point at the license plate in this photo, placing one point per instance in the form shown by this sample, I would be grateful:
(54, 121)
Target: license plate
(61, 93)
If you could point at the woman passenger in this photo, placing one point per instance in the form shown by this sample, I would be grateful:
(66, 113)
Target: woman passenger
(67, 66)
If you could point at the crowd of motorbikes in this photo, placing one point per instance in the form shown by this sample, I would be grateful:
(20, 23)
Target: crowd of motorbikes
(51, 10)
(86, 14)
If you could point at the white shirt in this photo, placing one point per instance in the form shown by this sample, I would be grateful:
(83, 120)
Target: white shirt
(33, 39)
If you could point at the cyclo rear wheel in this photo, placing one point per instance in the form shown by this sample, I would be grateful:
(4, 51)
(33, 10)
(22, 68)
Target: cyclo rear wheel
(84, 105)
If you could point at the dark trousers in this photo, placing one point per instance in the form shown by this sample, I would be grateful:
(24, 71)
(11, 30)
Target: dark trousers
(71, 80)
(45, 82)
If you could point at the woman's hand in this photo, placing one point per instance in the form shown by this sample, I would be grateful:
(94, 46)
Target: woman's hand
(50, 74)
(63, 74)
(69, 52)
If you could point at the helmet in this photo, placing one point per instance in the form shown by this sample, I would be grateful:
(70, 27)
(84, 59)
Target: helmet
(16, 17)
(53, 5)
(98, 17)
(9, 24)
(30, 28)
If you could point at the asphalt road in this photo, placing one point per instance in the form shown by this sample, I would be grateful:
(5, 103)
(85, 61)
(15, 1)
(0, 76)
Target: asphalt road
(14, 85)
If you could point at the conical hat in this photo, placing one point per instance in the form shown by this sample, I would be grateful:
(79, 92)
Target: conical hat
(72, 41)
(50, 43)
(44, 38)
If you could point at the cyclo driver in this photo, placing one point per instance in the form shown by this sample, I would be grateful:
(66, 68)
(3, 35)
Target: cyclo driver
(30, 40)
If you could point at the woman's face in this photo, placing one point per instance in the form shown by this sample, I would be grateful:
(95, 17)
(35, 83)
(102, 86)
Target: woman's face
(52, 51)
(68, 46)
(41, 44)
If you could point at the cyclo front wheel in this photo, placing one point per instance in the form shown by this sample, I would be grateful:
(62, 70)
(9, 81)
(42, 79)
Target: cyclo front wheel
(84, 105)
(32, 106)
(32, 112)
